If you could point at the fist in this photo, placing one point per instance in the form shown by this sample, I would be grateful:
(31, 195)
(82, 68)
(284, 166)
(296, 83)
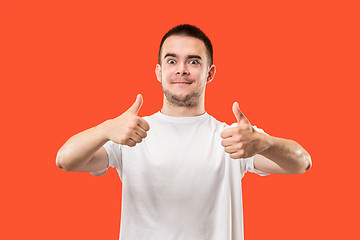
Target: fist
(241, 141)
(128, 129)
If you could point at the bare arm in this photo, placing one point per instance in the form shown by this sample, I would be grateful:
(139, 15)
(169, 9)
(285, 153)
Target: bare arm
(83, 152)
(272, 154)
(282, 156)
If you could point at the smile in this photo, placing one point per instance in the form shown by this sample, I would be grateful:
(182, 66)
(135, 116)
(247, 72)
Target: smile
(181, 82)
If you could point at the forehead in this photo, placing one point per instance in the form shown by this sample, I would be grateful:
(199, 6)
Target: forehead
(183, 46)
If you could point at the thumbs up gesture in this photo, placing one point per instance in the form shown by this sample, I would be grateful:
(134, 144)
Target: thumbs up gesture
(241, 141)
(128, 129)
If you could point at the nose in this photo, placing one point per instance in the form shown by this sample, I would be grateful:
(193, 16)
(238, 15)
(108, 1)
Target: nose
(182, 70)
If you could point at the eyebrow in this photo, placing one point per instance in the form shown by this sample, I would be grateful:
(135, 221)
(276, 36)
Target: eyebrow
(170, 55)
(194, 56)
(189, 56)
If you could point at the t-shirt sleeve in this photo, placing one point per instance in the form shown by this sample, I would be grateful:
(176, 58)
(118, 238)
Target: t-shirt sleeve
(113, 151)
(247, 164)
(250, 162)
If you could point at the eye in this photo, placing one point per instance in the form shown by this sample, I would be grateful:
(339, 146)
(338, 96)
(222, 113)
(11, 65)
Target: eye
(171, 61)
(194, 62)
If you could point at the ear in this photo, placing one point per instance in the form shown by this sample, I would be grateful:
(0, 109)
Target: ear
(211, 73)
(158, 72)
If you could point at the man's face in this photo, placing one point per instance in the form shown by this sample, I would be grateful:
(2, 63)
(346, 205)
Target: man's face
(184, 70)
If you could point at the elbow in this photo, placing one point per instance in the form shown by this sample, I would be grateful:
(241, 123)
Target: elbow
(305, 161)
(301, 163)
(308, 162)
(60, 161)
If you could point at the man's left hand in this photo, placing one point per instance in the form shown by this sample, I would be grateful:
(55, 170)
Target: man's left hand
(242, 141)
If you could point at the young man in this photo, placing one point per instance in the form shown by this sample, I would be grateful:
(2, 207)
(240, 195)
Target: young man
(181, 169)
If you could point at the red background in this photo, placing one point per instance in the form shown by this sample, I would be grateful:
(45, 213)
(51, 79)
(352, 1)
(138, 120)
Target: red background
(66, 66)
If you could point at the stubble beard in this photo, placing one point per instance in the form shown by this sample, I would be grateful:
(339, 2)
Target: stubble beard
(189, 101)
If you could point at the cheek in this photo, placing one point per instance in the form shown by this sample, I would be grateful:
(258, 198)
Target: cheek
(166, 75)
(202, 74)
(166, 72)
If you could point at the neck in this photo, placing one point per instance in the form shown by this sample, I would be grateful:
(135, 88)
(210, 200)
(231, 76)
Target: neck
(177, 111)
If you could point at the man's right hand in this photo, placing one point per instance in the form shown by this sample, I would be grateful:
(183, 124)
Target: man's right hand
(128, 129)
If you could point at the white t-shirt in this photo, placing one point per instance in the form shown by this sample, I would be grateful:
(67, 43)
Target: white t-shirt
(179, 183)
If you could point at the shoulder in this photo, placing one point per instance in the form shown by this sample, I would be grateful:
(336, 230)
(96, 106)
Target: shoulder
(151, 118)
(217, 123)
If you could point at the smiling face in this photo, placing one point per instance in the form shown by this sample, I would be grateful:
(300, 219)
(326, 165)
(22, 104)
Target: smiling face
(184, 70)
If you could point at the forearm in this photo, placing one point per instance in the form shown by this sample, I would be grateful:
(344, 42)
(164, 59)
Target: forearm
(288, 154)
(79, 149)
(80, 152)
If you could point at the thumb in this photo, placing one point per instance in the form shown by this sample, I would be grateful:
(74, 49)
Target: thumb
(238, 114)
(136, 105)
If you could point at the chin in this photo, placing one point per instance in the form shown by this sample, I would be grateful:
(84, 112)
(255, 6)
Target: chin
(186, 100)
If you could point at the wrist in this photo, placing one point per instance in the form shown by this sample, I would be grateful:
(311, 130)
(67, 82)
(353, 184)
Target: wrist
(103, 130)
(265, 143)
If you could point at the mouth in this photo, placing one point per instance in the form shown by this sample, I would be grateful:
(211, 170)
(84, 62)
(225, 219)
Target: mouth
(182, 82)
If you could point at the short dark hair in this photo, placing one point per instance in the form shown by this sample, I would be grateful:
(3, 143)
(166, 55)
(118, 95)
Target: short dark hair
(191, 31)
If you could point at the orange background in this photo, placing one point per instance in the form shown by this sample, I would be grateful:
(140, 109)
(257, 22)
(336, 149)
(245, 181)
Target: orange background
(66, 66)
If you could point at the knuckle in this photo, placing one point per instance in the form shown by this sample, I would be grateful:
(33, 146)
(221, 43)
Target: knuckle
(131, 143)
(238, 138)
(146, 125)
(137, 120)
(127, 135)
(132, 125)
(241, 153)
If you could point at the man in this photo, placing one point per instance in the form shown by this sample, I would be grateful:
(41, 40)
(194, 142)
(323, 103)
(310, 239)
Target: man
(181, 169)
